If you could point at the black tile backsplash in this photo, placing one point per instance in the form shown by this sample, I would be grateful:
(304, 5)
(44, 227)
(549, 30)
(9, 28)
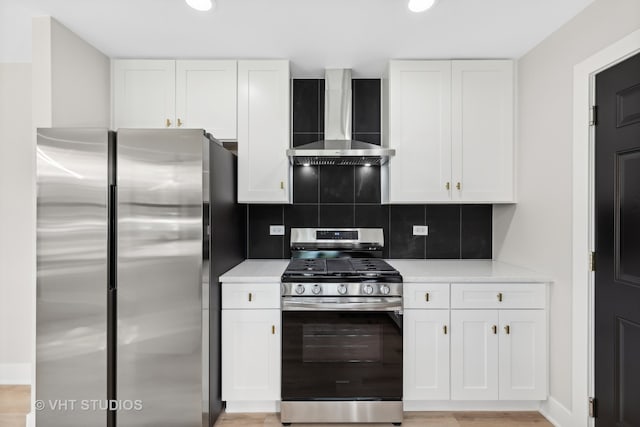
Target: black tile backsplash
(335, 216)
(367, 184)
(366, 105)
(259, 243)
(476, 231)
(402, 242)
(349, 196)
(308, 105)
(305, 184)
(375, 216)
(444, 231)
(336, 184)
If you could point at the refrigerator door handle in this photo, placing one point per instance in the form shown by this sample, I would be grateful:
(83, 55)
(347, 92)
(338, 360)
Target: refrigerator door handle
(113, 233)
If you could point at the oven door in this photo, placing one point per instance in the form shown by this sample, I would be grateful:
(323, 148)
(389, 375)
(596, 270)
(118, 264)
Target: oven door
(341, 349)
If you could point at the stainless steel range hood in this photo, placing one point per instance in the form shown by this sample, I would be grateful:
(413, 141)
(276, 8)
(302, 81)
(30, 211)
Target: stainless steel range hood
(338, 148)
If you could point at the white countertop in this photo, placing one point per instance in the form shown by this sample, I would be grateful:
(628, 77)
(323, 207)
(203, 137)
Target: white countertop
(468, 270)
(412, 271)
(256, 271)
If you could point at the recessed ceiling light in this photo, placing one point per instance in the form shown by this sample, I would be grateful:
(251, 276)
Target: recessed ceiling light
(306, 164)
(420, 5)
(201, 5)
(367, 165)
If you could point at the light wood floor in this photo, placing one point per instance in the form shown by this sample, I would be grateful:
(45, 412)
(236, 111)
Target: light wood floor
(15, 403)
(411, 419)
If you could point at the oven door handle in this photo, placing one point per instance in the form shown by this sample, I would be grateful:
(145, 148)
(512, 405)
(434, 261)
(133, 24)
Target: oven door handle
(342, 304)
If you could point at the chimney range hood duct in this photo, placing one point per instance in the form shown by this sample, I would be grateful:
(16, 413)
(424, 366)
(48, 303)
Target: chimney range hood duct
(338, 148)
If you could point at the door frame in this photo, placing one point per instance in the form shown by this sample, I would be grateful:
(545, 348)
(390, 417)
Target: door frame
(583, 232)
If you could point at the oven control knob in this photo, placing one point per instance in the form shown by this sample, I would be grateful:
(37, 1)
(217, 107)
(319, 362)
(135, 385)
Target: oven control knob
(384, 289)
(316, 289)
(342, 289)
(368, 289)
(300, 289)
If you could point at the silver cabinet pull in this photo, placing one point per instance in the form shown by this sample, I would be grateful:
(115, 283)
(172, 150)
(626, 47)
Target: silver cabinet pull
(168, 123)
(494, 328)
(250, 296)
(426, 297)
(444, 329)
(499, 297)
(507, 329)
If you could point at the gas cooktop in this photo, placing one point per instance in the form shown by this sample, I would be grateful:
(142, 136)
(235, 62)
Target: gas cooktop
(345, 269)
(338, 255)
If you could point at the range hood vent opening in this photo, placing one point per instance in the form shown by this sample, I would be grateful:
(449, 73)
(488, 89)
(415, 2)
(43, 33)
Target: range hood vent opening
(338, 148)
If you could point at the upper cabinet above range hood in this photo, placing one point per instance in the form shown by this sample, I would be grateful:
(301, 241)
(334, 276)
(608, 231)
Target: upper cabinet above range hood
(338, 148)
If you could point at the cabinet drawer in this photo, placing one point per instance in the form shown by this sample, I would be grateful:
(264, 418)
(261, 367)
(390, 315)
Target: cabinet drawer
(498, 295)
(250, 295)
(425, 295)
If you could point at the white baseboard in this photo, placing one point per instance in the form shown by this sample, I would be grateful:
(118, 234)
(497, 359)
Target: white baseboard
(471, 405)
(15, 373)
(556, 413)
(253, 406)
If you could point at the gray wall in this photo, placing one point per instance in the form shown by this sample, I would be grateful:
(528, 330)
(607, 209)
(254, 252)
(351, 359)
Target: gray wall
(537, 231)
(17, 224)
(72, 83)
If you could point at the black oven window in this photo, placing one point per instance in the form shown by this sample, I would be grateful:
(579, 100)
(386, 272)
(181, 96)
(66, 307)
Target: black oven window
(341, 355)
(341, 342)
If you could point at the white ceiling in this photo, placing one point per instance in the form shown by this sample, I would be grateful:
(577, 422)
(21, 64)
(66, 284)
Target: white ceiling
(314, 34)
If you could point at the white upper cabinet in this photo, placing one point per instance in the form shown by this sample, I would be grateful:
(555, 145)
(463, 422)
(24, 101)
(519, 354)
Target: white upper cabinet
(263, 131)
(143, 93)
(482, 130)
(206, 96)
(420, 131)
(169, 94)
(451, 123)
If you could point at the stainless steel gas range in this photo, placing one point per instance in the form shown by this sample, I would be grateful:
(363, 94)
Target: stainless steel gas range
(341, 329)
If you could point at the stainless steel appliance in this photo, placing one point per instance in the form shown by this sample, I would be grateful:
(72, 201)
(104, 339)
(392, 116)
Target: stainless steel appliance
(127, 288)
(341, 329)
(338, 148)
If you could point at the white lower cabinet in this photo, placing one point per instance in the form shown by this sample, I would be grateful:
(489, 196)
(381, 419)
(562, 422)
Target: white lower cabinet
(468, 342)
(498, 355)
(474, 355)
(250, 355)
(523, 355)
(426, 355)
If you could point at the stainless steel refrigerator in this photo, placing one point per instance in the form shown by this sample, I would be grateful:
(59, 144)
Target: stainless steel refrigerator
(128, 298)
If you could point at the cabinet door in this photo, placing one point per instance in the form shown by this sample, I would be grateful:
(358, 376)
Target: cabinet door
(474, 354)
(250, 355)
(143, 93)
(206, 96)
(523, 355)
(263, 131)
(482, 132)
(426, 354)
(420, 131)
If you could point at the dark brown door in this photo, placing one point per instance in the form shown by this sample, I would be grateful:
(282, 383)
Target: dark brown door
(617, 286)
